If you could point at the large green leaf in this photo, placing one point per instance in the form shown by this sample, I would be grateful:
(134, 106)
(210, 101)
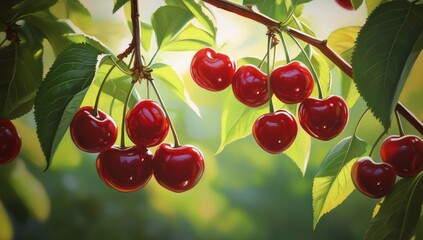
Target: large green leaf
(21, 72)
(278, 10)
(167, 21)
(190, 38)
(146, 33)
(384, 55)
(343, 39)
(332, 183)
(72, 72)
(168, 76)
(14, 10)
(78, 13)
(399, 212)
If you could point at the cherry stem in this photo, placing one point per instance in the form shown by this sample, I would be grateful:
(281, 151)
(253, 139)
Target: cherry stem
(359, 121)
(376, 142)
(313, 70)
(290, 14)
(401, 129)
(148, 89)
(116, 63)
(285, 47)
(269, 90)
(125, 106)
(274, 57)
(262, 61)
(322, 45)
(175, 136)
(153, 57)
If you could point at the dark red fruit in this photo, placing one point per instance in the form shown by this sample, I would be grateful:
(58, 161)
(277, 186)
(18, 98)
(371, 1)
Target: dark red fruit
(10, 141)
(345, 4)
(250, 86)
(323, 119)
(275, 132)
(125, 170)
(373, 179)
(178, 169)
(404, 154)
(93, 133)
(291, 83)
(211, 70)
(147, 124)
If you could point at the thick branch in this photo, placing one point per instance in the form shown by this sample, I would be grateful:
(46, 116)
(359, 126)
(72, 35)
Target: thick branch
(136, 35)
(322, 45)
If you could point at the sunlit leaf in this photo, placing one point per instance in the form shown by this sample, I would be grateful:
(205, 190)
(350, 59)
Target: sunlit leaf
(348, 89)
(168, 76)
(146, 33)
(119, 4)
(78, 13)
(190, 38)
(373, 4)
(71, 73)
(356, 3)
(332, 183)
(343, 39)
(384, 55)
(278, 10)
(399, 212)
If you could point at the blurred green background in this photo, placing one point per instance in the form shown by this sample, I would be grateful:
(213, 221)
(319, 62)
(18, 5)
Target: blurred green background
(245, 193)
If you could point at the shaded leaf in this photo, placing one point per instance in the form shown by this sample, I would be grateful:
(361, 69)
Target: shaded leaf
(332, 183)
(119, 4)
(17, 9)
(6, 227)
(71, 73)
(278, 10)
(384, 55)
(168, 76)
(399, 212)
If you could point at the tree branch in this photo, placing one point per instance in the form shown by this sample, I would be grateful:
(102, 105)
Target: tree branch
(136, 43)
(322, 45)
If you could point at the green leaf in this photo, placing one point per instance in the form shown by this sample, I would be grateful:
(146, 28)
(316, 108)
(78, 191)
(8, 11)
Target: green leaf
(384, 55)
(30, 191)
(119, 4)
(13, 10)
(356, 3)
(399, 212)
(167, 21)
(419, 229)
(80, 38)
(21, 72)
(190, 38)
(348, 89)
(332, 183)
(373, 4)
(168, 76)
(278, 10)
(343, 39)
(146, 33)
(54, 30)
(78, 13)
(6, 227)
(31, 34)
(71, 73)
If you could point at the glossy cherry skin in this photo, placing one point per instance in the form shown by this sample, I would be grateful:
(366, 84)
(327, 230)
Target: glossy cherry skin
(345, 4)
(178, 169)
(147, 124)
(291, 83)
(125, 170)
(212, 70)
(93, 133)
(323, 119)
(404, 154)
(10, 141)
(275, 132)
(373, 179)
(249, 86)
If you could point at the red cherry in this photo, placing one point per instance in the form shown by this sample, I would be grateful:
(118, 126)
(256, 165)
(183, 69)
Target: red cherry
(93, 133)
(275, 132)
(373, 179)
(250, 86)
(147, 124)
(291, 83)
(125, 170)
(323, 119)
(345, 4)
(10, 141)
(211, 70)
(404, 154)
(178, 169)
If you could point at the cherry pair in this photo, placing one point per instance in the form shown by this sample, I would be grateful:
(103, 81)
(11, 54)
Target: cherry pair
(10, 142)
(401, 155)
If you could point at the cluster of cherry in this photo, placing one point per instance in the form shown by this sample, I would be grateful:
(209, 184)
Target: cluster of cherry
(10, 141)
(128, 169)
(292, 83)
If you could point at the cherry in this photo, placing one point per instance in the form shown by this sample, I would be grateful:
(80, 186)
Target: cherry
(373, 179)
(211, 70)
(127, 169)
(178, 169)
(147, 124)
(10, 141)
(323, 119)
(250, 86)
(275, 132)
(93, 133)
(345, 4)
(291, 83)
(405, 154)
